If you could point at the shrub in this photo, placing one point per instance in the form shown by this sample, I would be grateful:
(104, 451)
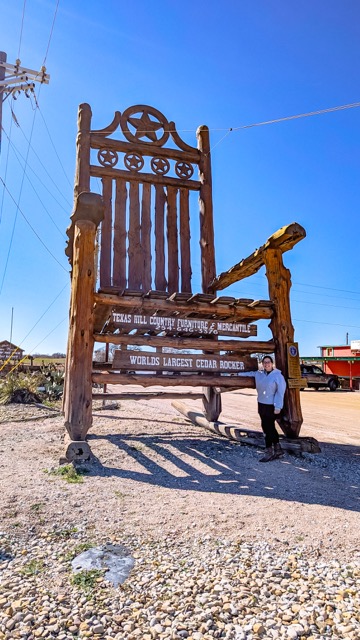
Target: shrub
(20, 388)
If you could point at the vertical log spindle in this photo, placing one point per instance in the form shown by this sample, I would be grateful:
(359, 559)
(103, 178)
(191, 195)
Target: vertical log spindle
(172, 240)
(185, 241)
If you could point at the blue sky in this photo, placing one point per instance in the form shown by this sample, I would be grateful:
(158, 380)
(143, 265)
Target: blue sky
(225, 64)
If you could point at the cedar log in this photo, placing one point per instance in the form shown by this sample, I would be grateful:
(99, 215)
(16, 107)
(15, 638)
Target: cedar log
(238, 346)
(89, 211)
(246, 436)
(235, 313)
(284, 239)
(144, 380)
(208, 269)
(279, 282)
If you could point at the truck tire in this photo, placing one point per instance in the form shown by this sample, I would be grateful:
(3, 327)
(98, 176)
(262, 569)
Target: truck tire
(332, 385)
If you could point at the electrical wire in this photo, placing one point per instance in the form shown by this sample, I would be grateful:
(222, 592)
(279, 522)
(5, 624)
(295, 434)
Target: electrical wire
(6, 167)
(32, 329)
(38, 196)
(319, 112)
(19, 154)
(51, 33)
(32, 350)
(21, 28)
(33, 230)
(44, 167)
(332, 324)
(54, 147)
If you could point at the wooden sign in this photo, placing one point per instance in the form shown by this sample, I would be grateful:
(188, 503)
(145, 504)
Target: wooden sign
(177, 324)
(293, 360)
(150, 360)
(297, 383)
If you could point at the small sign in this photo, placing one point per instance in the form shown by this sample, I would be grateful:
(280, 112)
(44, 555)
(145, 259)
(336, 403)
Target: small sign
(178, 324)
(293, 360)
(185, 362)
(297, 383)
(355, 345)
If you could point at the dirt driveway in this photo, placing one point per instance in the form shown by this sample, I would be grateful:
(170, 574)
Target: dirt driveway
(157, 474)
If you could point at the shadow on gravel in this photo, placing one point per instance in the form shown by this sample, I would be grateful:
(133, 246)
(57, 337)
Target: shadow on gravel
(215, 465)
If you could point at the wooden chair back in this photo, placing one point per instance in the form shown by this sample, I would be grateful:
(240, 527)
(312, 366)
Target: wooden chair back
(147, 185)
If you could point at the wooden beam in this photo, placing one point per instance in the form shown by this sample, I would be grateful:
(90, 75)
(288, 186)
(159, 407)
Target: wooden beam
(119, 244)
(235, 313)
(174, 381)
(185, 241)
(245, 436)
(99, 142)
(208, 269)
(153, 178)
(78, 368)
(106, 234)
(172, 240)
(160, 201)
(237, 346)
(147, 395)
(284, 239)
(283, 333)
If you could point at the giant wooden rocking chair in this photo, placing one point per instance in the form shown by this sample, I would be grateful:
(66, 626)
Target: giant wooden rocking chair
(131, 276)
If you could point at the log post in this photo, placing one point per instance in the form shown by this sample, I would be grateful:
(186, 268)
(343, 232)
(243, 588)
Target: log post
(279, 282)
(208, 269)
(212, 398)
(89, 211)
(82, 171)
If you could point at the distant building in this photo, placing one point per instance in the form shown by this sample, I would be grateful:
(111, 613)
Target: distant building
(343, 360)
(10, 350)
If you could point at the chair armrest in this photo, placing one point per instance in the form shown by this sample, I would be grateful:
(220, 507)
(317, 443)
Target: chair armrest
(284, 239)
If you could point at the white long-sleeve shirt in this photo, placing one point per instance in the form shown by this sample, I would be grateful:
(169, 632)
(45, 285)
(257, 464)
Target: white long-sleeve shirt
(270, 387)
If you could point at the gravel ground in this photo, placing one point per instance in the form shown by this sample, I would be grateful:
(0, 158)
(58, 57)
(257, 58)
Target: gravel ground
(224, 547)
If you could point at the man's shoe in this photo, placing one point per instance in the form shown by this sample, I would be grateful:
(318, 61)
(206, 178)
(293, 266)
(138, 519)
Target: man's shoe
(278, 452)
(269, 455)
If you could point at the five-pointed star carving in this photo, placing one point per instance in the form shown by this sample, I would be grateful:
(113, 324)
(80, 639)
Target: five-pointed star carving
(107, 156)
(160, 164)
(145, 128)
(134, 161)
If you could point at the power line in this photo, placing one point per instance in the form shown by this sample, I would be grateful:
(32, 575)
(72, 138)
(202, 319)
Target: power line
(21, 28)
(320, 112)
(39, 343)
(51, 32)
(32, 329)
(54, 147)
(17, 204)
(43, 166)
(33, 230)
(329, 288)
(18, 153)
(38, 196)
(6, 167)
(333, 324)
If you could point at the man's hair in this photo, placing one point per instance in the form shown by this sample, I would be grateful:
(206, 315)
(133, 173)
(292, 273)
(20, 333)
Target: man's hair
(269, 357)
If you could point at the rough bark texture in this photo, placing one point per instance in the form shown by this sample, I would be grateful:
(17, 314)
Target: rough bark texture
(284, 239)
(78, 389)
(208, 269)
(283, 332)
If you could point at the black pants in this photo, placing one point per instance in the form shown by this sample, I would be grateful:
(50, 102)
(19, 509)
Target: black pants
(267, 416)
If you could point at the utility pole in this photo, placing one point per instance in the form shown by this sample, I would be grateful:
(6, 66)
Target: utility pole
(14, 79)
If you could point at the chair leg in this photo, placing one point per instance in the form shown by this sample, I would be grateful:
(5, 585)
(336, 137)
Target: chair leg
(212, 403)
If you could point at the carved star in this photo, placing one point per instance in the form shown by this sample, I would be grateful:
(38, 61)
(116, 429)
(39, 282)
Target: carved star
(160, 164)
(145, 128)
(184, 169)
(134, 161)
(107, 156)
